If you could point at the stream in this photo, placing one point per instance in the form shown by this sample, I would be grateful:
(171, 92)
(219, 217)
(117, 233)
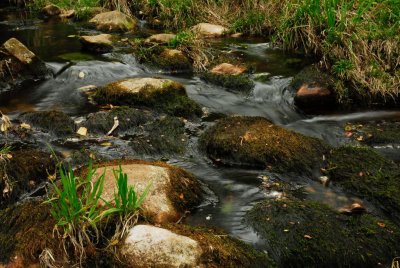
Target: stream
(231, 191)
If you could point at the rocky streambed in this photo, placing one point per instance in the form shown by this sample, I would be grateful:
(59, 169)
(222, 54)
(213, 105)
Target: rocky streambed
(251, 161)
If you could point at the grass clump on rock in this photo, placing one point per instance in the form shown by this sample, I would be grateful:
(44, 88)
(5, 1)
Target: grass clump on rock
(240, 82)
(160, 94)
(256, 142)
(364, 172)
(309, 234)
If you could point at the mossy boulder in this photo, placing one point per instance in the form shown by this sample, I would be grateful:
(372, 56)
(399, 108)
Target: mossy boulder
(21, 171)
(366, 173)
(209, 30)
(234, 82)
(164, 136)
(314, 90)
(256, 142)
(101, 43)
(25, 231)
(309, 234)
(167, 59)
(54, 122)
(220, 249)
(172, 190)
(161, 94)
(114, 21)
(163, 38)
(128, 119)
(18, 63)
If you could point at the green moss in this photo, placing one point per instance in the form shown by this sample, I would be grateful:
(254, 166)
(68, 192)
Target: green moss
(164, 136)
(25, 230)
(366, 173)
(55, 122)
(256, 142)
(171, 99)
(240, 83)
(77, 56)
(221, 250)
(23, 172)
(160, 57)
(375, 133)
(102, 122)
(309, 234)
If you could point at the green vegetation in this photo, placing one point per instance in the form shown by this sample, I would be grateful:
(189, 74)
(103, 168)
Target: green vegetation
(364, 172)
(309, 234)
(77, 211)
(55, 122)
(238, 83)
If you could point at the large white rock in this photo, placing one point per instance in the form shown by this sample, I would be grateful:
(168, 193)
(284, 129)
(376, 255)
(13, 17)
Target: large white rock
(149, 246)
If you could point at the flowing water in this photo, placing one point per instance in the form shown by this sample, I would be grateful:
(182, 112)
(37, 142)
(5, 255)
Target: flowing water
(232, 192)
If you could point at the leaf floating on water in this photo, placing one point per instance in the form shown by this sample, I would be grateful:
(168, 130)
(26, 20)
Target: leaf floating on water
(82, 131)
(81, 75)
(25, 126)
(381, 224)
(348, 128)
(360, 138)
(106, 144)
(286, 230)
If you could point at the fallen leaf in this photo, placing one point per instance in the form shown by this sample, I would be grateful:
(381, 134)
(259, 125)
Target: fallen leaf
(106, 144)
(308, 237)
(360, 138)
(181, 196)
(349, 134)
(82, 131)
(286, 230)
(116, 124)
(25, 126)
(381, 224)
(81, 75)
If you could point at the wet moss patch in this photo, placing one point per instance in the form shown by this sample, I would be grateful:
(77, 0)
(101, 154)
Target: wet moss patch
(374, 133)
(128, 118)
(256, 142)
(221, 250)
(25, 230)
(55, 122)
(23, 172)
(309, 234)
(238, 83)
(170, 98)
(364, 172)
(164, 136)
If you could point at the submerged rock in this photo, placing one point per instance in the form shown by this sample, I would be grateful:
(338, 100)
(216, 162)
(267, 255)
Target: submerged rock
(54, 122)
(229, 76)
(149, 246)
(308, 234)
(256, 142)
(172, 190)
(101, 43)
(18, 63)
(163, 38)
(21, 171)
(314, 90)
(210, 30)
(161, 94)
(365, 173)
(113, 21)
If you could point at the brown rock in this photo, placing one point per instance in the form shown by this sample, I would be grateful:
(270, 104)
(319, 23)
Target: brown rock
(97, 43)
(160, 38)
(210, 30)
(355, 208)
(51, 11)
(113, 21)
(227, 68)
(172, 190)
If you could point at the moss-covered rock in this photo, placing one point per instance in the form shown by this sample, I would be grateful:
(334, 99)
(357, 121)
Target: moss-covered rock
(114, 21)
(161, 94)
(239, 82)
(128, 118)
(364, 172)
(221, 250)
(374, 133)
(256, 142)
(21, 171)
(172, 190)
(55, 122)
(25, 231)
(162, 38)
(18, 63)
(308, 234)
(164, 136)
(166, 59)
